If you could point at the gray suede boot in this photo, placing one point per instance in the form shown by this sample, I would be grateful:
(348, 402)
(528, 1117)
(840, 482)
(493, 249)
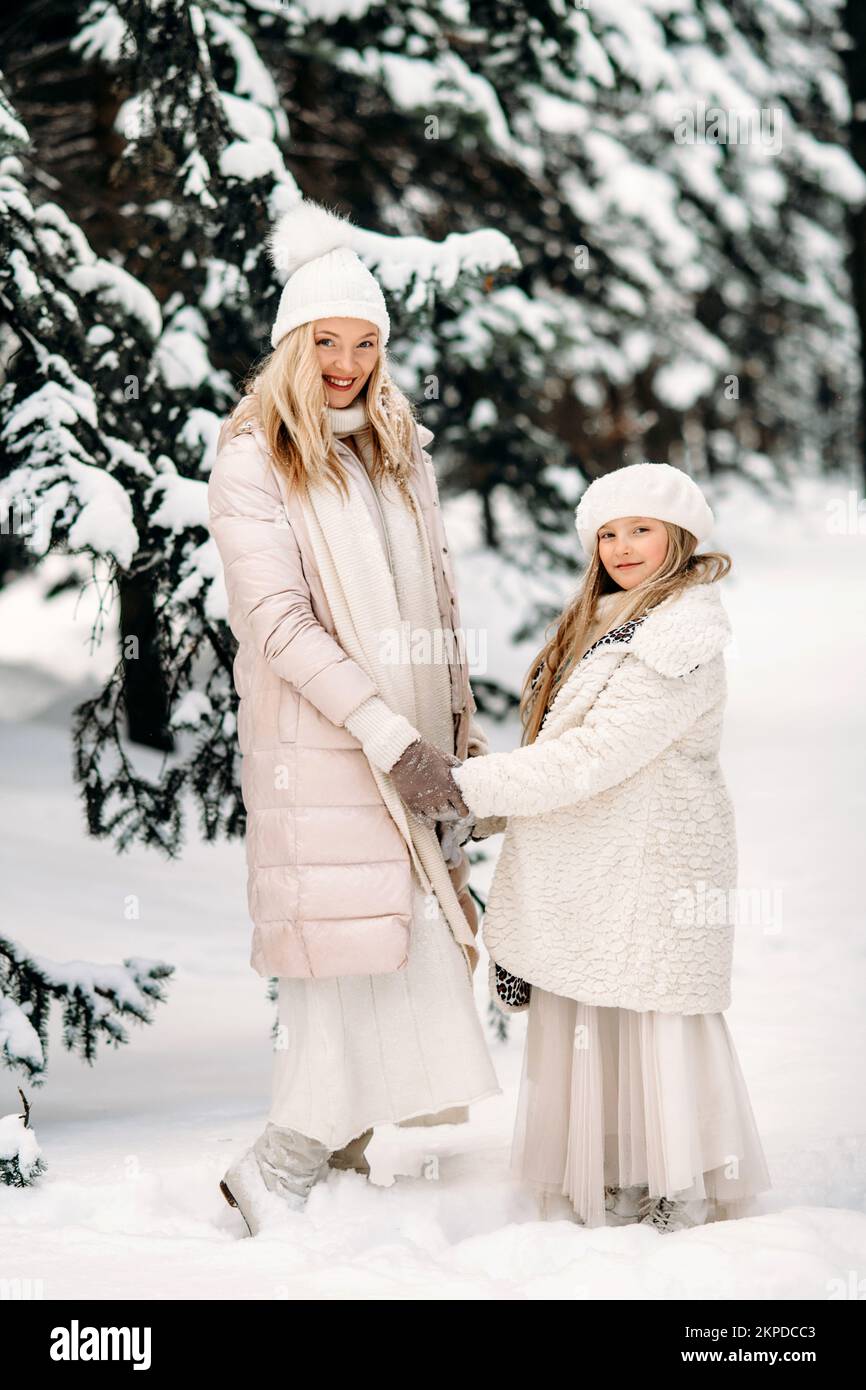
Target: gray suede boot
(276, 1174)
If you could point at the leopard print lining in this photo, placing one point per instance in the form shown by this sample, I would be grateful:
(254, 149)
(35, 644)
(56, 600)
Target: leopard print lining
(624, 633)
(510, 989)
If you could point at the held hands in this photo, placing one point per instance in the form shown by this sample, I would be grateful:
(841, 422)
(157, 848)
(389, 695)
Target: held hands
(422, 776)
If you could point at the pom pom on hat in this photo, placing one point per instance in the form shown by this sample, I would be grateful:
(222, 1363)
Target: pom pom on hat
(306, 231)
(643, 489)
(314, 249)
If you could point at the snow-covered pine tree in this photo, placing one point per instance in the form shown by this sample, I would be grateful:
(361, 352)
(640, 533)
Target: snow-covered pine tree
(80, 395)
(204, 178)
(851, 42)
(95, 1002)
(78, 322)
(21, 1161)
(682, 295)
(679, 285)
(162, 402)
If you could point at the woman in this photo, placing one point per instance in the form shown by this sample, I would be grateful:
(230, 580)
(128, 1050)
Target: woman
(612, 908)
(324, 508)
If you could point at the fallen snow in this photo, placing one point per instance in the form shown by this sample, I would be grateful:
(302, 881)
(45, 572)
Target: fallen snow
(129, 1206)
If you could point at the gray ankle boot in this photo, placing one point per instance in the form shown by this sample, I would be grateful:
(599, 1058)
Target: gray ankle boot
(275, 1174)
(291, 1163)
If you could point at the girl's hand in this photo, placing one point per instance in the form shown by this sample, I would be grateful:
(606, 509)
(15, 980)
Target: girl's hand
(453, 834)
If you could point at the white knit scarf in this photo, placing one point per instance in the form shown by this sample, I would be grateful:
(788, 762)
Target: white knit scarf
(360, 591)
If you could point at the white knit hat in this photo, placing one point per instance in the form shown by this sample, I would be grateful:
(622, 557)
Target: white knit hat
(643, 489)
(326, 277)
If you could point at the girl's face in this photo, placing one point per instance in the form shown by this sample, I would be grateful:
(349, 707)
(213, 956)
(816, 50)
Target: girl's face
(347, 351)
(632, 548)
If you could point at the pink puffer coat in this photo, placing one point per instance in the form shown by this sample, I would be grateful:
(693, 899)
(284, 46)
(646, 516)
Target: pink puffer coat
(329, 874)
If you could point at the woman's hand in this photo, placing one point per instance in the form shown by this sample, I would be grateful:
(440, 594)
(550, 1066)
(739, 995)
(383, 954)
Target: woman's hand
(422, 776)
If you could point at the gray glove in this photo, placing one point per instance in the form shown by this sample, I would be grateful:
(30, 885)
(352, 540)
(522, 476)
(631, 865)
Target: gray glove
(422, 776)
(453, 834)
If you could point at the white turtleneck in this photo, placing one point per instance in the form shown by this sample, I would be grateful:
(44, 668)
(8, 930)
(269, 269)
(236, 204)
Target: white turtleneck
(349, 419)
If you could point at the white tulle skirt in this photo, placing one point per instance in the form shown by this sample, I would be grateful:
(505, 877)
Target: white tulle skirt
(612, 1097)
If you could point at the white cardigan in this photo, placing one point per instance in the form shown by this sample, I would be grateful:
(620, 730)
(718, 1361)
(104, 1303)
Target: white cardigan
(616, 880)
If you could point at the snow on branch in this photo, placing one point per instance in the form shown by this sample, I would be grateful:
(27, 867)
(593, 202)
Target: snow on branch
(94, 999)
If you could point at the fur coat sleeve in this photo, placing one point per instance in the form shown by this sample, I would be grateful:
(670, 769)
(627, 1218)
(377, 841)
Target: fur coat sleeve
(639, 713)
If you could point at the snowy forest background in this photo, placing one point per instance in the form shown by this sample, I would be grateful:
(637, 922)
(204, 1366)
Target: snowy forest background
(652, 284)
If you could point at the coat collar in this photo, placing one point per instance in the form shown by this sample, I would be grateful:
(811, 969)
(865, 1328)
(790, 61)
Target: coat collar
(685, 630)
(688, 628)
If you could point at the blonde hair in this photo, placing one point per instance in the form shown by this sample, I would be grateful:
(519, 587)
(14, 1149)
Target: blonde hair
(680, 568)
(286, 396)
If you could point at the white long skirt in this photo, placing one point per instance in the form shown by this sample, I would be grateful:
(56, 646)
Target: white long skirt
(360, 1050)
(613, 1097)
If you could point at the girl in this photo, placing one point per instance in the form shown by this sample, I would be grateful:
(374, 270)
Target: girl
(611, 909)
(324, 508)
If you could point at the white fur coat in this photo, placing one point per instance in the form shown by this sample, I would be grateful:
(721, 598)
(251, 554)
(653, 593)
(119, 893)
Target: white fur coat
(616, 880)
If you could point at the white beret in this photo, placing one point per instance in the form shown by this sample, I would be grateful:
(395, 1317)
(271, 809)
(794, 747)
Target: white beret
(643, 489)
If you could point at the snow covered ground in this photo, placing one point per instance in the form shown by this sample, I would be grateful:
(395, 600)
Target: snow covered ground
(129, 1206)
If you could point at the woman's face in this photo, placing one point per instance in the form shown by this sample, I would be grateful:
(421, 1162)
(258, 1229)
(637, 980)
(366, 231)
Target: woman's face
(632, 548)
(347, 349)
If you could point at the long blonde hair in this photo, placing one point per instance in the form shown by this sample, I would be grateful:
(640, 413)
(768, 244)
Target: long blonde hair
(680, 568)
(286, 395)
